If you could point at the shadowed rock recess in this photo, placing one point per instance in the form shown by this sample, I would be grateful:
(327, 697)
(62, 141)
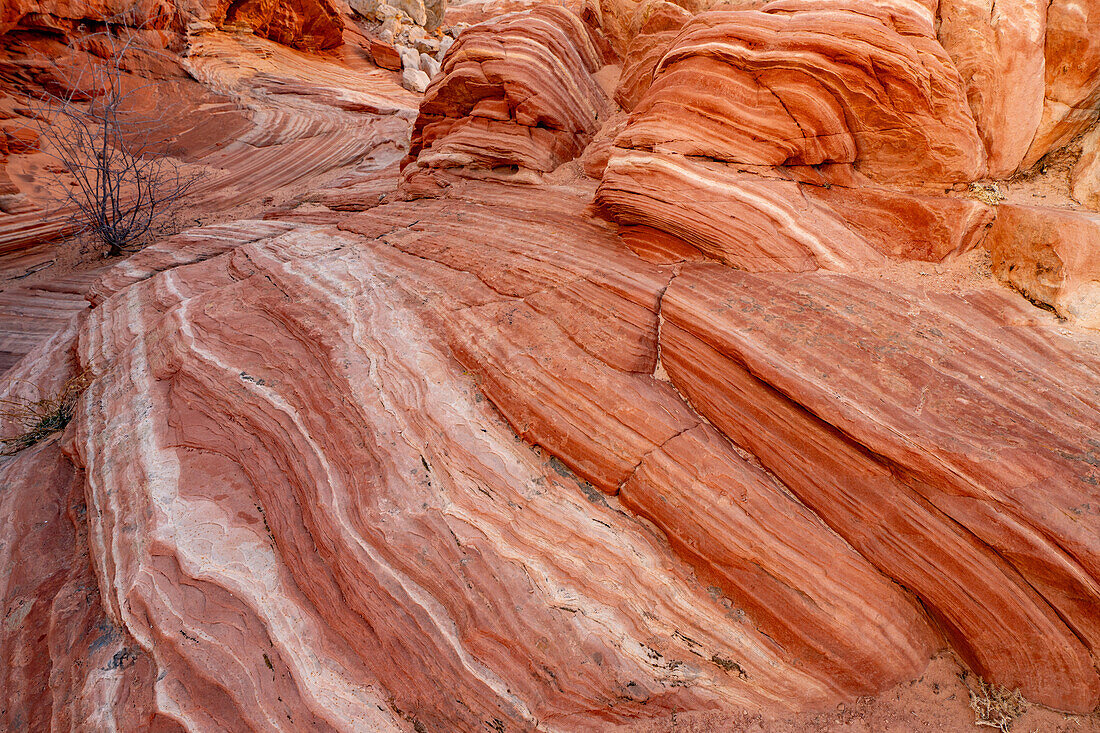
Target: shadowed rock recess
(663, 367)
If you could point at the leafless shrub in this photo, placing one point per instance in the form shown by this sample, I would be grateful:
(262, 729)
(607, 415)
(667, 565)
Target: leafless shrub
(115, 182)
(38, 418)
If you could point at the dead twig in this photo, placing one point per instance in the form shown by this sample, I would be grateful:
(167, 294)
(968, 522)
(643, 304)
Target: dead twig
(995, 706)
(39, 418)
(112, 173)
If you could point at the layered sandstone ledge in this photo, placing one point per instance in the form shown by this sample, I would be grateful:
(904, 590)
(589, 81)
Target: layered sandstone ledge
(705, 389)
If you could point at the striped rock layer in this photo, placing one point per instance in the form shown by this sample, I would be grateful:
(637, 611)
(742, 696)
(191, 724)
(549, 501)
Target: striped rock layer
(566, 454)
(516, 96)
(312, 489)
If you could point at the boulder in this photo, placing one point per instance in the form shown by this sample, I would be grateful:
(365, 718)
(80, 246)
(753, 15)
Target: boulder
(410, 59)
(429, 65)
(385, 55)
(1052, 256)
(515, 95)
(445, 44)
(415, 80)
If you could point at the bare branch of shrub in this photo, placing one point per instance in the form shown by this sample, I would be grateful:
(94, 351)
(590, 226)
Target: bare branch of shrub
(39, 418)
(117, 183)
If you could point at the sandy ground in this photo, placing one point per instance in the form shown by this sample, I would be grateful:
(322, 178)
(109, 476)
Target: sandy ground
(939, 700)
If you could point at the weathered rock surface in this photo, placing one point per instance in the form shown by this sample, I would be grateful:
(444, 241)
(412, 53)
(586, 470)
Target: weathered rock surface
(804, 83)
(753, 222)
(1085, 179)
(918, 449)
(1052, 256)
(296, 117)
(66, 666)
(673, 433)
(768, 222)
(1072, 76)
(905, 225)
(998, 49)
(663, 22)
(439, 520)
(313, 24)
(515, 94)
(385, 55)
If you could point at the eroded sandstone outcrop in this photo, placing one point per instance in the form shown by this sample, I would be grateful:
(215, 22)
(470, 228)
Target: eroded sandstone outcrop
(618, 399)
(769, 87)
(516, 96)
(1051, 256)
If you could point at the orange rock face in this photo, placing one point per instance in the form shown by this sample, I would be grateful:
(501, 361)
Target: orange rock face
(1086, 172)
(753, 222)
(648, 46)
(849, 460)
(303, 23)
(615, 399)
(438, 522)
(999, 52)
(770, 88)
(515, 95)
(1052, 256)
(1072, 84)
(312, 24)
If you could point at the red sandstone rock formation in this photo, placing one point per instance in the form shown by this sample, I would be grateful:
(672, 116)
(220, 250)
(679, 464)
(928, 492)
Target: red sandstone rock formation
(516, 95)
(1086, 172)
(303, 23)
(997, 48)
(770, 88)
(687, 436)
(1072, 82)
(1051, 256)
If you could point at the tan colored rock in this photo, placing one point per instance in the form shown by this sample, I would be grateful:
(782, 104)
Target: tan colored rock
(1085, 177)
(998, 48)
(1072, 79)
(1051, 256)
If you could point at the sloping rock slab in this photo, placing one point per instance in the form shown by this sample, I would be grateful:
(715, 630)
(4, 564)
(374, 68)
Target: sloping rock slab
(947, 436)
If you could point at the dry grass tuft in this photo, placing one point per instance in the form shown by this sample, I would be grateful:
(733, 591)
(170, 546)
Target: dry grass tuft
(39, 418)
(995, 706)
(989, 193)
